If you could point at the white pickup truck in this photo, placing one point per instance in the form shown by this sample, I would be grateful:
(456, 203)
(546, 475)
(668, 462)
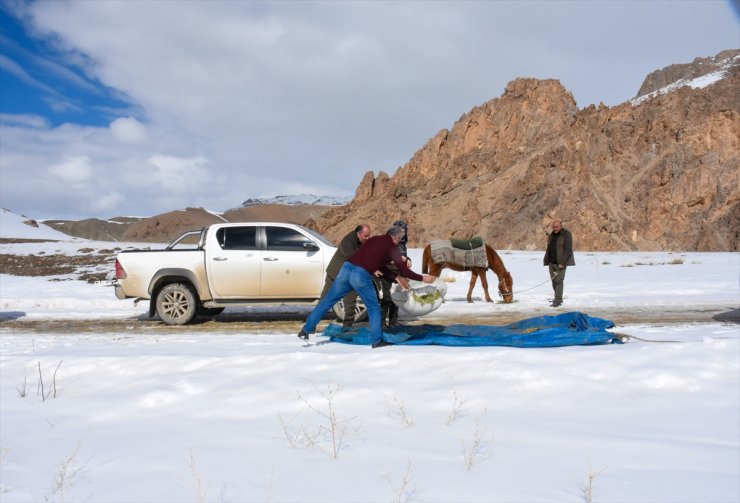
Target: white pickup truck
(229, 264)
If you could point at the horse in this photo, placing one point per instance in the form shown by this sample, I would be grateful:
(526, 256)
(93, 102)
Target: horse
(505, 283)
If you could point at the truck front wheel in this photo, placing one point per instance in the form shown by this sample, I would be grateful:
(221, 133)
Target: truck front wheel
(176, 304)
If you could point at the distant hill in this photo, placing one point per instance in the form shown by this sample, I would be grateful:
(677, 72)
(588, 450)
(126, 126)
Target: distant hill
(95, 228)
(167, 226)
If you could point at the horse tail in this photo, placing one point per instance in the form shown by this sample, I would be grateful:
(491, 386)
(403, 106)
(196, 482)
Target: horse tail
(425, 259)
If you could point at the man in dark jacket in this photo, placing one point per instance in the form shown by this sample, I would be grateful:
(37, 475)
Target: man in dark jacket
(388, 309)
(558, 256)
(356, 274)
(347, 246)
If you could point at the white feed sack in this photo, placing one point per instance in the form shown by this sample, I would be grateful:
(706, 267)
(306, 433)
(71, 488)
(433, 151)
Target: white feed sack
(421, 298)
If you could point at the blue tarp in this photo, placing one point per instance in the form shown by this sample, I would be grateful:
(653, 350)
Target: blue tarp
(568, 329)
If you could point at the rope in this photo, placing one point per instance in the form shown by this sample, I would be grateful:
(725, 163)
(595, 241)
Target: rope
(625, 337)
(536, 286)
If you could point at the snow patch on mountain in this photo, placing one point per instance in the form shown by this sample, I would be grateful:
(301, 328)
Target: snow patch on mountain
(695, 83)
(14, 226)
(296, 199)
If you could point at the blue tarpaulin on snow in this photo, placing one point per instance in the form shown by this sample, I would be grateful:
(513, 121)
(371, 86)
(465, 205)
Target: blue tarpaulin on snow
(568, 329)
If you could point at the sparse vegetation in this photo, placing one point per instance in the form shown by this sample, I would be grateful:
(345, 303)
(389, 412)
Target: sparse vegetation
(58, 264)
(396, 409)
(67, 474)
(51, 392)
(405, 491)
(675, 261)
(458, 409)
(588, 486)
(479, 449)
(201, 488)
(330, 434)
(22, 389)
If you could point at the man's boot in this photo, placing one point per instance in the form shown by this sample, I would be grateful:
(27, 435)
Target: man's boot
(393, 316)
(384, 314)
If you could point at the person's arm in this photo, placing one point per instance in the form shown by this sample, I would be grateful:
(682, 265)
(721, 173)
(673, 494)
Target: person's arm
(567, 249)
(347, 247)
(398, 260)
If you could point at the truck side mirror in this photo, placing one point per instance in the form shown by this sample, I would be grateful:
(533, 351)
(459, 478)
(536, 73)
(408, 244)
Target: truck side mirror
(311, 246)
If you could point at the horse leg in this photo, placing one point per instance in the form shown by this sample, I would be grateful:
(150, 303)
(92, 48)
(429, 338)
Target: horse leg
(473, 279)
(484, 282)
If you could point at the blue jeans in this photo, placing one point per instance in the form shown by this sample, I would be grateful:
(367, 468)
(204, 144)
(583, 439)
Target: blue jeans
(350, 277)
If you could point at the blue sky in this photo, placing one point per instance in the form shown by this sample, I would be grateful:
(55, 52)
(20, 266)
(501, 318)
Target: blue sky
(114, 107)
(37, 80)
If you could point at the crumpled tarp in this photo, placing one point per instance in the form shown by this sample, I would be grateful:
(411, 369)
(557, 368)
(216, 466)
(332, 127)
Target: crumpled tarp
(568, 329)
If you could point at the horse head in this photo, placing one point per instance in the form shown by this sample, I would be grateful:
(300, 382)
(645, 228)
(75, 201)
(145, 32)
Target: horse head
(506, 287)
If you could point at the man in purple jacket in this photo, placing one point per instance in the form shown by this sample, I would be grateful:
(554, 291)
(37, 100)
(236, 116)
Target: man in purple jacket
(356, 274)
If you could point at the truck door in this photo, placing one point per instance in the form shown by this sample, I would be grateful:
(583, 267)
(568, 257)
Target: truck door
(292, 264)
(233, 263)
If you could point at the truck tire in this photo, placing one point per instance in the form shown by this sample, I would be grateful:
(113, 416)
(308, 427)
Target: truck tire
(176, 304)
(360, 310)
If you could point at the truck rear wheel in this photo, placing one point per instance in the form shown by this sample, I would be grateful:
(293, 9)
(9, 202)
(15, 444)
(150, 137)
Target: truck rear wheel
(176, 304)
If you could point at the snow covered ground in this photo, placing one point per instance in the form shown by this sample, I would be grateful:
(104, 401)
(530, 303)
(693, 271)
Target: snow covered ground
(207, 413)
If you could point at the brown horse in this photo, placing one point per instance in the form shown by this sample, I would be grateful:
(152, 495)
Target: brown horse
(505, 283)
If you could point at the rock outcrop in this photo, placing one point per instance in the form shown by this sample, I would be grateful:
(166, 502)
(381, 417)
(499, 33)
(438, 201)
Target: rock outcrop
(659, 175)
(673, 73)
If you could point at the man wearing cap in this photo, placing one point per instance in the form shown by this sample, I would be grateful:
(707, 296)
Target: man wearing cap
(388, 309)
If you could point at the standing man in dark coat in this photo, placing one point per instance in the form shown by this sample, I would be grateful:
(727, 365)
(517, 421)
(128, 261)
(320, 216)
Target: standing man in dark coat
(347, 246)
(558, 256)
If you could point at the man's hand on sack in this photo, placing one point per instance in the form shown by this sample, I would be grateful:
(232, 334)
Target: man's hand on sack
(428, 278)
(404, 282)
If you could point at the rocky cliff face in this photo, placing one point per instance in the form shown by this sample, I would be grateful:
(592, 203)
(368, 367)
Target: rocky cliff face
(660, 175)
(673, 73)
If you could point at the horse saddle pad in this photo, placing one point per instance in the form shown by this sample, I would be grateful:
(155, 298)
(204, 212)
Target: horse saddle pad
(443, 251)
(467, 244)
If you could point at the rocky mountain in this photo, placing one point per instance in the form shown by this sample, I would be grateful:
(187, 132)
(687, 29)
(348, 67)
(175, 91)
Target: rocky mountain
(661, 173)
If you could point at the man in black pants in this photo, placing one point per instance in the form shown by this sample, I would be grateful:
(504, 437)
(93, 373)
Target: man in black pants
(388, 309)
(558, 256)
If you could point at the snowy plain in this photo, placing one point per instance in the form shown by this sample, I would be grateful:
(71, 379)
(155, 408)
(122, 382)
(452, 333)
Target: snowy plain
(146, 413)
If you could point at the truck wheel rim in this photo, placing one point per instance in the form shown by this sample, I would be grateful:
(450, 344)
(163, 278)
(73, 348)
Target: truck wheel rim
(175, 305)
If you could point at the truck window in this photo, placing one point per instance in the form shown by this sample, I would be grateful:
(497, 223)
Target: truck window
(237, 238)
(284, 239)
